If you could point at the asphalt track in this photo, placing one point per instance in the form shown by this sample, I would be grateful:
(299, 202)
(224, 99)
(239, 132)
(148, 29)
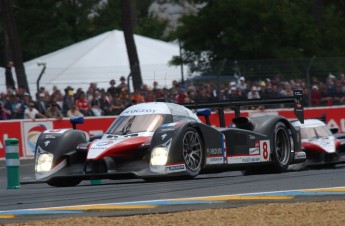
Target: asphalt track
(128, 197)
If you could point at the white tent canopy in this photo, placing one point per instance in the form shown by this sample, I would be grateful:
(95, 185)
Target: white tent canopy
(100, 59)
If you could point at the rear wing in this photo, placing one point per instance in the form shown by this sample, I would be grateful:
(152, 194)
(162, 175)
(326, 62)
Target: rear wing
(297, 100)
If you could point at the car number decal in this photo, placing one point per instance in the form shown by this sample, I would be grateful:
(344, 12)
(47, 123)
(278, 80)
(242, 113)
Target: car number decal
(265, 150)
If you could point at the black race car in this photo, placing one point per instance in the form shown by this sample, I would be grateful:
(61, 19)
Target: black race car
(159, 140)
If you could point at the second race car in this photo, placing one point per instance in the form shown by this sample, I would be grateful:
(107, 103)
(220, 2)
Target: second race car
(158, 140)
(320, 144)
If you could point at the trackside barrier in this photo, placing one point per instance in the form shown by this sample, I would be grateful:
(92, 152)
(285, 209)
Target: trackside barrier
(95, 182)
(27, 131)
(12, 163)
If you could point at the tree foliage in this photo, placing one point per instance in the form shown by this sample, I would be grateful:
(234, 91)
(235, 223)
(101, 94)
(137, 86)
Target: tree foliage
(48, 25)
(262, 29)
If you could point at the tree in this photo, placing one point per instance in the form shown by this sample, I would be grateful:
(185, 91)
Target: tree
(12, 43)
(127, 25)
(266, 29)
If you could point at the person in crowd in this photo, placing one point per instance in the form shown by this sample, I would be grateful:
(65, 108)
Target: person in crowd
(137, 97)
(155, 86)
(179, 98)
(89, 94)
(124, 96)
(315, 96)
(68, 99)
(287, 90)
(242, 85)
(122, 84)
(144, 90)
(54, 112)
(83, 105)
(339, 97)
(9, 77)
(4, 112)
(149, 96)
(32, 113)
(174, 87)
(263, 92)
(95, 87)
(42, 105)
(253, 94)
(326, 98)
(113, 90)
(95, 104)
(201, 95)
(235, 94)
(74, 112)
(105, 101)
(18, 108)
(116, 106)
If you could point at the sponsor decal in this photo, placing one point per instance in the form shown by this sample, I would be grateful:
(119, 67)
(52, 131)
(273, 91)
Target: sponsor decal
(98, 148)
(252, 137)
(39, 150)
(300, 155)
(224, 149)
(214, 151)
(46, 143)
(104, 143)
(169, 125)
(163, 136)
(56, 130)
(175, 168)
(214, 160)
(134, 111)
(243, 159)
(33, 135)
(49, 136)
(254, 151)
(32, 130)
(168, 129)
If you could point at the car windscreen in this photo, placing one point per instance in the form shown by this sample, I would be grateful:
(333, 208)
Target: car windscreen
(315, 132)
(135, 123)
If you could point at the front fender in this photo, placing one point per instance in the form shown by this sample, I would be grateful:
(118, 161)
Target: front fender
(173, 134)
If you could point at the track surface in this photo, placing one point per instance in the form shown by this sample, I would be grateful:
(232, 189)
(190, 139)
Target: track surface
(115, 192)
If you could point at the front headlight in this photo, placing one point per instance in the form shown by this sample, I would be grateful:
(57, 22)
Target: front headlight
(159, 156)
(44, 162)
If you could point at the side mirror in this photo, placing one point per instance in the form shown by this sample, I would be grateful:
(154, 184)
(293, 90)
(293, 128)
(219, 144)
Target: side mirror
(206, 113)
(76, 120)
(334, 130)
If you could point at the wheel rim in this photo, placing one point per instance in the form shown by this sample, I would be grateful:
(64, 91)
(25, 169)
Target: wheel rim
(192, 150)
(282, 146)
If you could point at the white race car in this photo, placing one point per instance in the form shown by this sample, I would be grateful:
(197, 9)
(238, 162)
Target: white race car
(319, 142)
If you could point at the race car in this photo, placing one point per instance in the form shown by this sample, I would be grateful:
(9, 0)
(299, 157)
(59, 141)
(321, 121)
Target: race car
(321, 144)
(157, 140)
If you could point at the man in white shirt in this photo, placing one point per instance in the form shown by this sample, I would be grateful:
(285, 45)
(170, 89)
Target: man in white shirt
(31, 112)
(253, 94)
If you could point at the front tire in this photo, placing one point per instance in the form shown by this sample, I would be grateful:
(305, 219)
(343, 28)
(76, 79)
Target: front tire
(281, 148)
(192, 151)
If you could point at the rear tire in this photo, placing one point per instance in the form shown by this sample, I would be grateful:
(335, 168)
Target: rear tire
(281, 155)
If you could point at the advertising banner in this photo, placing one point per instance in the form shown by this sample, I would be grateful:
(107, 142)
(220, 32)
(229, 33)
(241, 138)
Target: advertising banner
(27, 131)
(9, 129)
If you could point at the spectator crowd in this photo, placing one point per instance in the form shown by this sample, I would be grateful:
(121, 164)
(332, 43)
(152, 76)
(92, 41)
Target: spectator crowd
(17, 103)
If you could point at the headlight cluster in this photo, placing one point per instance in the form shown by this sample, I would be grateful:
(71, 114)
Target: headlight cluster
(44, 162)
(159, 156)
